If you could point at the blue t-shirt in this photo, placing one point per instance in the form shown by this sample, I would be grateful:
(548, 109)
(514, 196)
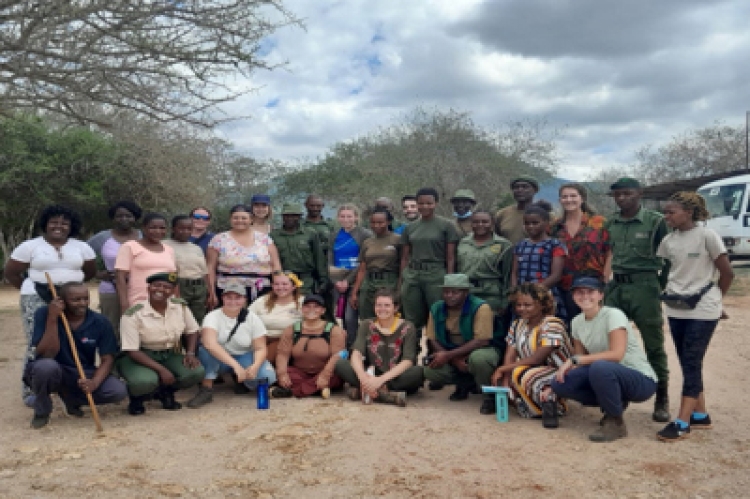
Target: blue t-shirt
(95, 333)
(202, 241)
(345, 251)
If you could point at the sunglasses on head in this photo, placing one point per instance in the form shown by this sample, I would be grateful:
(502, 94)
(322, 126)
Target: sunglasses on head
(201, 217)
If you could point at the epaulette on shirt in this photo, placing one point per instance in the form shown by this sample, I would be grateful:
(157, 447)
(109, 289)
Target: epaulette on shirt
(178, 301)
(132, 310)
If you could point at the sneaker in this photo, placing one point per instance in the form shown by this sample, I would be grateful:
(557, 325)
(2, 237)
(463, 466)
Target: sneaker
(611, 429)
(673, 432)
(39, 421)
(325, 393)
(203, 397)
(395, 398)
(279, 392)
(700, 424)
(549, 415)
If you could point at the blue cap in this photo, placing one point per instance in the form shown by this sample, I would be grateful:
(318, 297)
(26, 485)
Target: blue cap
(260, 199)
(588, 282)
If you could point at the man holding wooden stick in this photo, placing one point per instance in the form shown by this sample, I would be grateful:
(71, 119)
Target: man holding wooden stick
(54, 368)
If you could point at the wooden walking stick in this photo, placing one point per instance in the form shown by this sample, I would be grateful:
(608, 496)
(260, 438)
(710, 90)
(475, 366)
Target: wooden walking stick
(71, 340)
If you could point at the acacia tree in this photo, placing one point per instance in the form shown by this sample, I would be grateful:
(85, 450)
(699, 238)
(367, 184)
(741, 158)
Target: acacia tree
(441, 149)
(165, 59)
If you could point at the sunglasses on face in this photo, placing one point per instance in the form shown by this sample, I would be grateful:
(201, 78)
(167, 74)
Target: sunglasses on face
(201, 217)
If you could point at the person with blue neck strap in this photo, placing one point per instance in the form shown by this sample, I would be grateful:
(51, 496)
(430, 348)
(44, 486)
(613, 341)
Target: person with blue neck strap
(463, 202)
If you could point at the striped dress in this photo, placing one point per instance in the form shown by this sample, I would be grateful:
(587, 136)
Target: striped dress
(528, 382)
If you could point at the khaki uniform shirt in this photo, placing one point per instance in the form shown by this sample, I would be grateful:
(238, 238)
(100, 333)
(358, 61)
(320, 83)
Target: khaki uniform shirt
(635, 241)
(509, 224)
(142, 327)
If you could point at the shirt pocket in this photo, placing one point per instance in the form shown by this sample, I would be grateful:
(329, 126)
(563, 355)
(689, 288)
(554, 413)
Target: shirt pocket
(640, 243)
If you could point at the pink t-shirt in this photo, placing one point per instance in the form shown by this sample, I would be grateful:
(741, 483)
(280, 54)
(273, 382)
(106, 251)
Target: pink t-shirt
(141, 263)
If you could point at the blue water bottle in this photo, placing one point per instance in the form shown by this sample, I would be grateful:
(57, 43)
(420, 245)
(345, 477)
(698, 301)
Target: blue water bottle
(263, 402)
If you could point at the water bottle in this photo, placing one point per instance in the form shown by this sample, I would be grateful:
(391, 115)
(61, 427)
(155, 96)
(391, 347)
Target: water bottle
(366, 399)
(344, 354)
(263, 401)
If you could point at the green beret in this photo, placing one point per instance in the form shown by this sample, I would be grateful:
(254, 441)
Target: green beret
(625, 183)
(292, 209)
(528, 179)
(170, 277)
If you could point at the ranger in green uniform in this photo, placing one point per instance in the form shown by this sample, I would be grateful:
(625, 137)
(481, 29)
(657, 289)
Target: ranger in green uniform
(300, 251)
(151, 333)
(487, 259)
(428, 253)
(463, 202)
(315, 221)
(638, 277)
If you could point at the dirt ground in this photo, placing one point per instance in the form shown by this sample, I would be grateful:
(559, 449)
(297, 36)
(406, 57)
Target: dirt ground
(337, 448)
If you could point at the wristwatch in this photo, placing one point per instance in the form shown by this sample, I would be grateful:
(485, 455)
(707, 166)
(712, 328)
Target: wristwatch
(574, 360)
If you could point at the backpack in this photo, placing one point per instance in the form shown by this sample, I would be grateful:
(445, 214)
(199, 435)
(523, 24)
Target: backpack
(297, 330)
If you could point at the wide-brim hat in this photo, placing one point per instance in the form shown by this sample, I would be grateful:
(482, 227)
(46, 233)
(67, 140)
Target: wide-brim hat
(292, 209)
(464, 194)
(456, 281)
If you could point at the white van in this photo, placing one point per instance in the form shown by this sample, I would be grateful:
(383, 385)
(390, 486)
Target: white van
(729, 207)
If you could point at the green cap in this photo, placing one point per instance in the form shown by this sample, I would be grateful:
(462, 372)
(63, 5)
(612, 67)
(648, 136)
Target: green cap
(528, 179)
(456, 281)
(292, 209)
(170, 277)
(464, 194)
(625, 183)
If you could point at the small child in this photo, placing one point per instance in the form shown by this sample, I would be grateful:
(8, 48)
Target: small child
(191, 267)
(540, 258)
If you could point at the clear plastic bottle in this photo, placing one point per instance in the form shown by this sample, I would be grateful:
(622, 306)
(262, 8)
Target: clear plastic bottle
(366, 399)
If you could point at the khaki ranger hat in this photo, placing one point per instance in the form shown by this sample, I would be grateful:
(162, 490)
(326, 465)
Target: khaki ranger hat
(464, 194)
(456, 281)
(292, 209)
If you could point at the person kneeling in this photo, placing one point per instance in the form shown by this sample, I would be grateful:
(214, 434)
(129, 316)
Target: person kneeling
(151, 334)
(460, 329)
(388, 344)
(307, 353)
(54, 369)
(609, 369)
(233, 338)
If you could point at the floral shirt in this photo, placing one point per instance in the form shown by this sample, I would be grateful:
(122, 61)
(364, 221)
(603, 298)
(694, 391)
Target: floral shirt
(237, 259)
(588, 249)
(385, 351)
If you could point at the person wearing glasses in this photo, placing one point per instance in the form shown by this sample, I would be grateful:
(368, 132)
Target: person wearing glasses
(200, 234)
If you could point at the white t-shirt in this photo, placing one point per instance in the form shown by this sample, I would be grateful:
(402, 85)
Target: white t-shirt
(279, 318)
(242, 341)
(65, 265)
(692, 254)
(594, 335)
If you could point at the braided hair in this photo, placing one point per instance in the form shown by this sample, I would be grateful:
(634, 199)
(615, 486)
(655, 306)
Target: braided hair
(693, 202)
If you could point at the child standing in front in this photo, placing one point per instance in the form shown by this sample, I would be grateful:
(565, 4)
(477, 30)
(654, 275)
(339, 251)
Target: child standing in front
(540, 258)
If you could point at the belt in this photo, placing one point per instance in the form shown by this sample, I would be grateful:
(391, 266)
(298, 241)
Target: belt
(168, 349)
(191, 282)
(634, 277)
(381, 275)
(426, 265)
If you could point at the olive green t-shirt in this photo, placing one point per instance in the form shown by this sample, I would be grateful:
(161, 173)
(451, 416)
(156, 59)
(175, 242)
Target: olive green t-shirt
(509, 224)
(428, 239)
(381, 254)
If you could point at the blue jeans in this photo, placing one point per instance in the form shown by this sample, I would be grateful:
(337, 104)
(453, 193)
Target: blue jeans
(691, 338)
(214, 367)
(606, 385)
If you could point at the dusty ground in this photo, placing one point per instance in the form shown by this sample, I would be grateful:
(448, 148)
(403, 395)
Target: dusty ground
(338, 448)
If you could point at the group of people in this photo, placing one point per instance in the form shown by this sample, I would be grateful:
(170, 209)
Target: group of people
(539, 304)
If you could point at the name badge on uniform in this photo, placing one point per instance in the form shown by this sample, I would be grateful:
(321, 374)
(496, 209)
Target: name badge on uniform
(641, 235)
(693, 255)
(495, 248)
(390, 248)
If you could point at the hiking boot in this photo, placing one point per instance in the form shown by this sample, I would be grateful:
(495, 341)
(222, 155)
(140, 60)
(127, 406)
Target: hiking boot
(549, 414)
(673, 432)
(279, 392)
(462, 393)
(611, 429)
(700, 424)
(135, 407)
(166, 396)
(203, 397)
(624, 408)
(395, 398)
(435, 386)
(39, 421)
(354, 393)
(489, 406)
(661, 405)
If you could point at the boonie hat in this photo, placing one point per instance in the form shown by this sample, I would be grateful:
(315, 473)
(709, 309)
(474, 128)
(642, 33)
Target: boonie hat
(170, 277)
(292, 209)
(587, 282)
(625, 183)
(528, 179)
(464, 194)
(314, 299)
(235, 287)
(457, 281)
(260, 199)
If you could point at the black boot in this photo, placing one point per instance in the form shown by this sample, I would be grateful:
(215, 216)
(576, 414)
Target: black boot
(661, 405)
(166, 396)
(135, 407)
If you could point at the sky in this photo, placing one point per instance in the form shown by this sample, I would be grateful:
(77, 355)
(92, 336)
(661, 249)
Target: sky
(610, 76)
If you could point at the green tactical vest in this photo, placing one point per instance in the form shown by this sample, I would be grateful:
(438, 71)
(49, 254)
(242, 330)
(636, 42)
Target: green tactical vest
(465, 323)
